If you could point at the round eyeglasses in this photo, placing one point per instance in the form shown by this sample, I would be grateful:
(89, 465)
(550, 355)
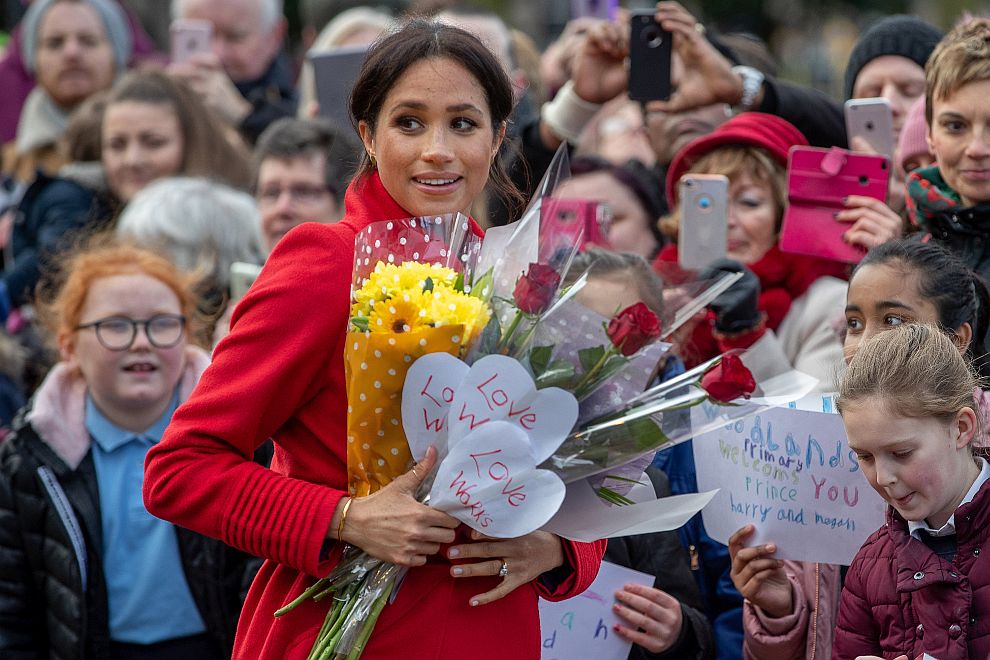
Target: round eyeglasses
(117, 333)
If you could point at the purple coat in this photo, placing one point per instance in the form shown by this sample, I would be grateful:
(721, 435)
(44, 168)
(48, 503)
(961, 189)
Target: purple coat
(901, 598)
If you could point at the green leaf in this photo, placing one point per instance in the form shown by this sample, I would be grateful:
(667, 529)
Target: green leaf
(483, 287)
(613, 497)
(647, 434)
(360, 323)
(459, 283)
(615, 477)
(558, 374)
(539, 359)
(490, 336)
(613, 365)
(428, 285)
(590, 356)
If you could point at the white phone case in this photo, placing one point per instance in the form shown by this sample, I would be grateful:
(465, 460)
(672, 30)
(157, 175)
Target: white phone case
(702, 236)
(190, 37)
(872, 120)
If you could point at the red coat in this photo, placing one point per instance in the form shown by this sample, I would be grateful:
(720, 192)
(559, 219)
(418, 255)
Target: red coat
(902, 598)
(280, 374)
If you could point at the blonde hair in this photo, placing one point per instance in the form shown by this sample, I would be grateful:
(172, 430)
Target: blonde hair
(735, 161)
(962, 57)
(101, 257)
(916, 371)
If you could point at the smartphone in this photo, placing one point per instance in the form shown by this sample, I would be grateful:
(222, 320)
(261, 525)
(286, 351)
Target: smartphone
(602, 9)
(649, 58)
(190, 37)
(569, 223)
(334, 72)
(242, 276)
(703, 234)
(872, 120)
(817, 181)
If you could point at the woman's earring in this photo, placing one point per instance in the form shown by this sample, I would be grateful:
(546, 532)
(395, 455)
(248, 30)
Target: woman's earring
(374, 163)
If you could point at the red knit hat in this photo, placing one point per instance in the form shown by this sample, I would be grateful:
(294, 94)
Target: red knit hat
(756, 129)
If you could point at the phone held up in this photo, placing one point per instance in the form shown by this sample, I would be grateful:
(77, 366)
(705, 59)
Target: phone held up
(873, 121)
(649, 58)
(565, 223)
(189, 37)
(817, 182)
(704, 229)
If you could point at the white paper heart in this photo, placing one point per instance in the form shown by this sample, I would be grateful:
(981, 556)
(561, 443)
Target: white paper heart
(489, 481)
(498, 388)
(427, 394)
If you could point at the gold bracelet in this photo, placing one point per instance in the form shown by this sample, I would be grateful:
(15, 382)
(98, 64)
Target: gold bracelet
(343, 517)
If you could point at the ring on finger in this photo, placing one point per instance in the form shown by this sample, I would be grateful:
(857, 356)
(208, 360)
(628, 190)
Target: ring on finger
(504, 570)
(699, 28)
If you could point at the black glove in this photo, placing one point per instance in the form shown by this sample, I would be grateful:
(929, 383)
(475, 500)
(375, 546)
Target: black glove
(736, 309)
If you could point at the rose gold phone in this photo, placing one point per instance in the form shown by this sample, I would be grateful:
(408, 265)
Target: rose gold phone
(703, 234)
(189, 38)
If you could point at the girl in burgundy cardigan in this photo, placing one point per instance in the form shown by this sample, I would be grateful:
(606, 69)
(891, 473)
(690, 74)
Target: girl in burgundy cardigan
(431, 105)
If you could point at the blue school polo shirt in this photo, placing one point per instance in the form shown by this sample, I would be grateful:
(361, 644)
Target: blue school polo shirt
(148, 596)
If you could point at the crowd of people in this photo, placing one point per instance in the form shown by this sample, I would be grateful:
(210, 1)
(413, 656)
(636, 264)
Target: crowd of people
(173, 467)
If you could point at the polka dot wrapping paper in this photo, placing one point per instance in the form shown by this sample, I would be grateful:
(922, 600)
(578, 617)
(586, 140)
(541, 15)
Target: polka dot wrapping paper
(409, 291)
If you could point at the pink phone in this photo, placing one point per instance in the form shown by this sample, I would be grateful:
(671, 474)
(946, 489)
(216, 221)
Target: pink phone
(572, 222)
(190, 37)
(817, 182)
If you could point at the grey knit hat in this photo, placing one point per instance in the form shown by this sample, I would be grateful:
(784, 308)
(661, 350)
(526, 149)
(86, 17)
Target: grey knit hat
(114, 20)
(902, 35)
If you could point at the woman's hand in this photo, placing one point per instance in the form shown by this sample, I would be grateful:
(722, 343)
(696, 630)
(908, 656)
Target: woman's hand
(655, 617)
(599, 70)
(392, 526)
(758, 577)
(526, 558)
(704, 76)
(873, 222)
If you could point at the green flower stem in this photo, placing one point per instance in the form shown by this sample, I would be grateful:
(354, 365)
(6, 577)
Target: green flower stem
(511, 330)
(318, 586)
(588, 378)
(323, 648)
(369, 625)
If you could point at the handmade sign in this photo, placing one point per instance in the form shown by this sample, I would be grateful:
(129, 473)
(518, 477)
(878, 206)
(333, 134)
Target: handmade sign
(489, 481)
(491, 428)
(791, 474)
(580, 628)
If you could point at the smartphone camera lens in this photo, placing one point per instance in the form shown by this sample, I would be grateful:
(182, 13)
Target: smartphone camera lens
(704, 203)
(869, 126)
(652, 35)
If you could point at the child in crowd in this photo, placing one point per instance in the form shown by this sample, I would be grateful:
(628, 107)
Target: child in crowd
(919, 584)
(791, 606)
(85, 570)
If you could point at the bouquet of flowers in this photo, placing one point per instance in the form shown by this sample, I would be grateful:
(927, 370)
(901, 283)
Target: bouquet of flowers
(477, 349)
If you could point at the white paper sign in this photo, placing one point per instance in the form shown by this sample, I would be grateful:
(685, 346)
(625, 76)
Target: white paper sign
(791, 474)
(580, 628)
(489, 481)
(585, 517)
(426, 397)
(498, 388)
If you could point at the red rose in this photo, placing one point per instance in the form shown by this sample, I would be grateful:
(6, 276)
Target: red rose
(535, 290)
(729, 380)
(633, 328)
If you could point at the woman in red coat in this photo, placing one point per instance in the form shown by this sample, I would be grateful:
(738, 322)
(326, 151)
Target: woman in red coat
(431, 106)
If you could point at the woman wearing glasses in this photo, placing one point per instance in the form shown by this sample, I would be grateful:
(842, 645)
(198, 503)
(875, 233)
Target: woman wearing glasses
(85, 570)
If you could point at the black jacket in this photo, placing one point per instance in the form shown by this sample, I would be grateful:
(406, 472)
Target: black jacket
(662, 555)
(272, 96)
(53, 598)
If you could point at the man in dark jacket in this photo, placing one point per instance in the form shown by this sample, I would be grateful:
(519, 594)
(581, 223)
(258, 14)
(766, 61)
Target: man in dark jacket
(246, 79)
